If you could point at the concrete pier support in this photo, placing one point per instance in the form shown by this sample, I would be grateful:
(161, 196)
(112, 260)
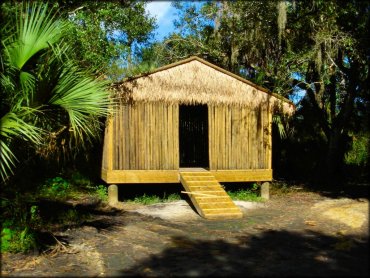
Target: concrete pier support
(112, 194)
(265, 190)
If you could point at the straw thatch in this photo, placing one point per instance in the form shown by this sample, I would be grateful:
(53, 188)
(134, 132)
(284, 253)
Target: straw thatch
(195, 81)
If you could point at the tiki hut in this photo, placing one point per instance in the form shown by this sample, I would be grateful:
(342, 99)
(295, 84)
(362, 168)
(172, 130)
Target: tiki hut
(190, 116)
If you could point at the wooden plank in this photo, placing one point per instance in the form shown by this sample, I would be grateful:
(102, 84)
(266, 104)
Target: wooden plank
(227, 129)
(105, 145)
(198, 194)
(234, 151)
(110, 143)
(165, 153)
(137, 136)
(150, 136)
(243, 175)
(114, 146)
(122, 137)
(210, 136)
(145, 136)
(223, 136)
(170, 139)
(243, 139)
(211, 208)
(130, 137)
(254, 139)
(213, 199)
(199, 178)
(264, 137)
(155, 135)
(175, 135)
(172, 176)
(115, 141)
(260, 137)
(142, 176)
(126, 142)
(223, 216)
(269, 149)
(190, 180)
(215, 139)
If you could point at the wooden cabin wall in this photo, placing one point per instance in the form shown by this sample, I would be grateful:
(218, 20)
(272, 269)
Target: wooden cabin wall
(105, 145)
(240, 137)
(145, 137)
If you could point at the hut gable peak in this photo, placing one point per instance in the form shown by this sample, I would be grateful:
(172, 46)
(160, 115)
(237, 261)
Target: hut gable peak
(196, 81)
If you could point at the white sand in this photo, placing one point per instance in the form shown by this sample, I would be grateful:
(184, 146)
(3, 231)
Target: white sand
(181, 210)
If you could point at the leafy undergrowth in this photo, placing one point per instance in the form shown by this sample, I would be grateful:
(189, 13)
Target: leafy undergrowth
(61, 202)
(27, 216)
(149, 199)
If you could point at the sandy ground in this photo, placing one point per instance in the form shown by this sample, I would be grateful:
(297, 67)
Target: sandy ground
(181, 210)
(298, 234)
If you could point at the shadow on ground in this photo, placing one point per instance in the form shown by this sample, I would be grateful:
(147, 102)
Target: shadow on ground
(349, 190)
(60, 216)
(271, 253)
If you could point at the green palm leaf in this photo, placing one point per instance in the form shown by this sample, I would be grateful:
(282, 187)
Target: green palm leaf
(37, 30)
(13, 126)
(7, 160)
(44, 92)
(82, 98)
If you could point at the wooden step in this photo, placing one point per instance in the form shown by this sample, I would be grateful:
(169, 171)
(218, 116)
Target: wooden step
(214, 182)
(212, 206)
(196, 174)
(200, 178)
(209, 198)
(224, 216)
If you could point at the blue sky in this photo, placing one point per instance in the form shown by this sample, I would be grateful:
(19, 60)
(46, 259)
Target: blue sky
(165, 14)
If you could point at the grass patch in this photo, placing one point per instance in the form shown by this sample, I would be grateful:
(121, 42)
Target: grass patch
(61, 189)
(243, 191)
(245, 195)
(24, 215)
(150, 199)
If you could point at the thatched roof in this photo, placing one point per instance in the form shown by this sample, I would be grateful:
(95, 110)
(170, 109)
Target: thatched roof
(195, 80)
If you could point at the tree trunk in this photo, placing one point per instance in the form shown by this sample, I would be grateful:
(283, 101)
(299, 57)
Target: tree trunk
(334, 158)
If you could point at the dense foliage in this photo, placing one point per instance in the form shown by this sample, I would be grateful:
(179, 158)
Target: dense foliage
(316, 49)
(48, 102)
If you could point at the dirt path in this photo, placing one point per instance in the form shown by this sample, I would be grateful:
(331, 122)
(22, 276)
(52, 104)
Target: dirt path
(301, 234)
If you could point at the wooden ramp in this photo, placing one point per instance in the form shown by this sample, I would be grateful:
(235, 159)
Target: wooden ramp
(209, 198)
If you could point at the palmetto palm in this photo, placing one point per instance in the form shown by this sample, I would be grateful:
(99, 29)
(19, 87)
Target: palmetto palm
(44, 96)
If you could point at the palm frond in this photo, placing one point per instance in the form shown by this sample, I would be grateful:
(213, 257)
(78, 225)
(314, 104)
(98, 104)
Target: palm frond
(83, 98)
(277, 120)
(37, 29)
(11, 126)
(7, 160)
(14, 126)
(27, 82)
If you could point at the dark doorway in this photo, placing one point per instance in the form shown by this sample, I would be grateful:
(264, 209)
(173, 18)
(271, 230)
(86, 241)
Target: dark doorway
(193, 132)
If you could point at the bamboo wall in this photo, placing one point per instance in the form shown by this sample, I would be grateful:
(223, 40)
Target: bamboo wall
(240, 138)
(144, 137)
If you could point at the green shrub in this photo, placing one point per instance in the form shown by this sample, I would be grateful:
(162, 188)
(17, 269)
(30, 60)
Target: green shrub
(172, 197)
(251, 194)
(17, 240)
(154, 199)
(102, 192)
(55, 188)
(358, 154)
(245, 195)
(80, 180)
